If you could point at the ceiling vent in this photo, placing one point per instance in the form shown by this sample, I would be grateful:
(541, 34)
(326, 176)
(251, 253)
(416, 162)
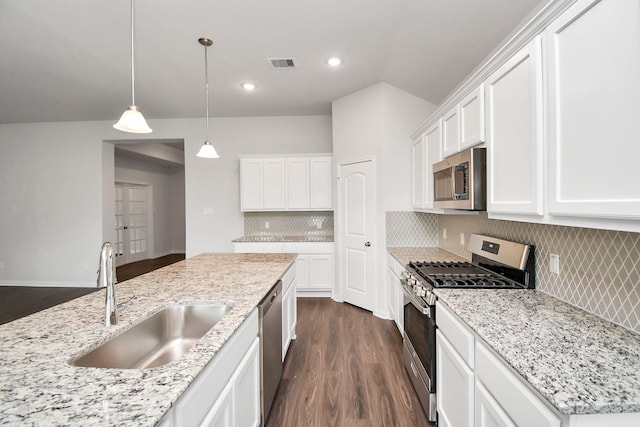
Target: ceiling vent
(282, 63)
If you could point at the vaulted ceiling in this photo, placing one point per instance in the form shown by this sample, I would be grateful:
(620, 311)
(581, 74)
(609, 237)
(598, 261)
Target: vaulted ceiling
(63, 60)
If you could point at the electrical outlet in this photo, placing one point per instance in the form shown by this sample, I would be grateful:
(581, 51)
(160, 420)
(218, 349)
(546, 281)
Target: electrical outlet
(461, 239)
(444, 233)
(554, 263)
(266, 224)
(1, 265)
(207, 211)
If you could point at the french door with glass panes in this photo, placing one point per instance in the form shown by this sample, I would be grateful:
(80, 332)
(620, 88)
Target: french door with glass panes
(132, 237)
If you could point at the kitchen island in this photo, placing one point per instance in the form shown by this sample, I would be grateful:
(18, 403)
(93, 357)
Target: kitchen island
(39, 387)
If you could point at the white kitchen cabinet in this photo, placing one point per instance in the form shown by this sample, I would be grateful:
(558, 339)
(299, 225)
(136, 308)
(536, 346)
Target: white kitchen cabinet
(262, 184)
(511, 394)
(488, 412)
(289, 309)
(418, 174)
(515, 134)
(451, 131)
(298, 183)
(396, 296)
(454, 386)
(291, 183)
(320, 184)
(314, 264)
(472, 124)
(227, 391)
(433, 147)
(593, 60)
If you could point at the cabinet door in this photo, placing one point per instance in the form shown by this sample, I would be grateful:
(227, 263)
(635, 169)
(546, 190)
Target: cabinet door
(472, 131)
(321, 197)
(273, 184)
(454, 386)
(251, 184)
(488, 411)
(302, 272)
(393, 294)
(298, 183)
(451, 132)
(246, 389)
(593, 109)
(515, 135)
(433, 147)
(286, 321)
(418, 174)
(321, 272)
(221, 414)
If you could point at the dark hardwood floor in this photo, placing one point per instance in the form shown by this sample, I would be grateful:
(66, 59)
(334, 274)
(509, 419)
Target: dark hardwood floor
(344, 369)
(20, 301)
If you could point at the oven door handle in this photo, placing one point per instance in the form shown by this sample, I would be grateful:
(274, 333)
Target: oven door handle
(416, 303)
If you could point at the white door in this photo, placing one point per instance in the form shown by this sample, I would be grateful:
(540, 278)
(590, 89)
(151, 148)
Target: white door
(357, 229)
(132, 219)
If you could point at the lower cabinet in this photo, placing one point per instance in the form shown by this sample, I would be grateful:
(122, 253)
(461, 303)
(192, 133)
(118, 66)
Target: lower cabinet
(475, 387)
(314, 265)
(227, 391)
(289, 309)
(454, 386)
(396, 296)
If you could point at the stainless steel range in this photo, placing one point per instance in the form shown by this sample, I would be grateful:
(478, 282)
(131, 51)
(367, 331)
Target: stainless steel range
(495, 264)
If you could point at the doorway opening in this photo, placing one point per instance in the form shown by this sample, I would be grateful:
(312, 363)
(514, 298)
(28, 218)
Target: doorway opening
(147, 205)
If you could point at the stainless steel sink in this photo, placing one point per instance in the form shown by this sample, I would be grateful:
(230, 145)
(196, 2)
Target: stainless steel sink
(159, 339)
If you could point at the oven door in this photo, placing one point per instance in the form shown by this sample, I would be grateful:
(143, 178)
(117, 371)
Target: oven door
(420, 330)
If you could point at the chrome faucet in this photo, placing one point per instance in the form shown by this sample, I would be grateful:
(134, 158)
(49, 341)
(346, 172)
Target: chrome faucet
(107, 279)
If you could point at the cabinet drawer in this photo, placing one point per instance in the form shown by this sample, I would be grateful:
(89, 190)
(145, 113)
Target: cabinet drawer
(520, 403)
(459, 335)
(308, 248)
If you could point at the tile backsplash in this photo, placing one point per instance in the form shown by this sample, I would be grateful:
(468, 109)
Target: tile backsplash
(288, 223)
(411, 229)
(599, 269)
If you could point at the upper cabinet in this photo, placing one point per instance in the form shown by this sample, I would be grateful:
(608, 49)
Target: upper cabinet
(559, 103)
(472, 123)
(463, 125)
(425, 152)
(514, 134)
(293, 183)
(594, 110)
(451, 132)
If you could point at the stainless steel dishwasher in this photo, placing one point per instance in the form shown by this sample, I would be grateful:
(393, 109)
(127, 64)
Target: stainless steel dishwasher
(270, 310)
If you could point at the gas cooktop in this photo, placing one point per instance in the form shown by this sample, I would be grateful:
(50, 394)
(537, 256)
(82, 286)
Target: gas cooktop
(460, 275)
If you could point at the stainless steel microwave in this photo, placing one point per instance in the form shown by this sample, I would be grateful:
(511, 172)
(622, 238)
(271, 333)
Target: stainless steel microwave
(459, 181)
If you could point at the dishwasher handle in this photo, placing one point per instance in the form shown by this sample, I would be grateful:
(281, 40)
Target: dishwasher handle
(271, 297)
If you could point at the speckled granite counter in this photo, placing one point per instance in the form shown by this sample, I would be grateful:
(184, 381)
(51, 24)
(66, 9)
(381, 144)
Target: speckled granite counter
(579, 362)
(404, 255)
(270, 238)
(38, 386)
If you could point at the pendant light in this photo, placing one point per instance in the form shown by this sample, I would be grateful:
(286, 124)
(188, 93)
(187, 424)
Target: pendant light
(207, 151)
(132, 119)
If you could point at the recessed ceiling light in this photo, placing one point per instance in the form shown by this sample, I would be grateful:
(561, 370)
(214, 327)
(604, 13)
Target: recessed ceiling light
(334, 61)
(248, 86)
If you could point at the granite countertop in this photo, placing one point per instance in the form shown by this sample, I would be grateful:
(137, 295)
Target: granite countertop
(39, 387)
(315, 238)
(405, 254)
(581, 363)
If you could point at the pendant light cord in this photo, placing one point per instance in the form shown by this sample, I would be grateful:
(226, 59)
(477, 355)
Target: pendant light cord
(206, 87)
(133, 73)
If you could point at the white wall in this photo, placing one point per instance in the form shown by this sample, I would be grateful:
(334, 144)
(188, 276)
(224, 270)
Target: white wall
(377, 122)
(53, 222)
(167, 186)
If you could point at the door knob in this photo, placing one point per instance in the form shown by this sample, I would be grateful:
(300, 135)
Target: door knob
(367, 244)
(125, 228)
